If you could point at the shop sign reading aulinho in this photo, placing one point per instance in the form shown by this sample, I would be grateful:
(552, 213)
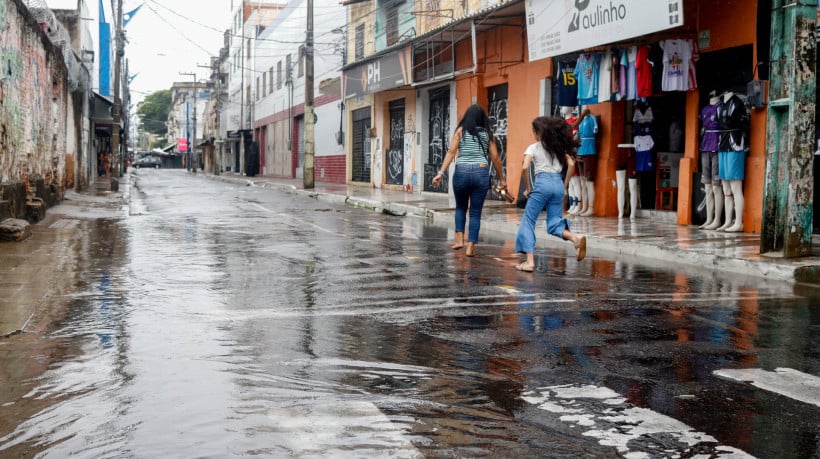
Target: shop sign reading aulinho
(556, 27)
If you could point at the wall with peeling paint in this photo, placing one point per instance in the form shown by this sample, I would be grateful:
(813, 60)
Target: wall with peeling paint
(33, 101)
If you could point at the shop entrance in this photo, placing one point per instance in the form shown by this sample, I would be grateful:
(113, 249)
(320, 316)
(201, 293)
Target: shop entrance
(361, 145)
(658, 179)
(497, 112)
(395, 152)
(438, 123)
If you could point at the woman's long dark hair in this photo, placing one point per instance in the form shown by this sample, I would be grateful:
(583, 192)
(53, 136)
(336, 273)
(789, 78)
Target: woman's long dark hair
(474, 118)
(555, 137)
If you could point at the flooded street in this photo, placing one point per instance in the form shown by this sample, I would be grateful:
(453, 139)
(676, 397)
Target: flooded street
(216, 320)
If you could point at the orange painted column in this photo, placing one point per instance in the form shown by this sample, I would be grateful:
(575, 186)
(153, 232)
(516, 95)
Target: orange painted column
(610, 134)
(689, 162)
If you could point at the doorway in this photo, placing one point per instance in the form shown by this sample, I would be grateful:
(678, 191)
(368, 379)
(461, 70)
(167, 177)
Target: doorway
(395, 152)
(497, 112)
(438, 124)
(361, 145)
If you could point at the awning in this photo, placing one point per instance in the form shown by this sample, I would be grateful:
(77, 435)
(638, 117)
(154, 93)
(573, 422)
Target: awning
(169, 148)
(101, 110)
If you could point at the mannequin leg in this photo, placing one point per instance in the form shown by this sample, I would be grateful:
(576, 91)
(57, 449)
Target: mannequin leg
(728, 205)
(574, 193)
(737, 192)
(719, 201)
(710, 206)
(582, 207)
(620, 180)
(633, 198)
(591, 199)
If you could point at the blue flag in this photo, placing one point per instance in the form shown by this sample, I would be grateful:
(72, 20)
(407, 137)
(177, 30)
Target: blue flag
(130, 15)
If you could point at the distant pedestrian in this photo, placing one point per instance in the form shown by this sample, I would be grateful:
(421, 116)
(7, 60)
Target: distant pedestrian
(553, 151)
(473, 148)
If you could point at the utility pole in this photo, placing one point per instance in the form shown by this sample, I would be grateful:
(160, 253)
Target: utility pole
(192, 145)
(115, 134)
(310, 118)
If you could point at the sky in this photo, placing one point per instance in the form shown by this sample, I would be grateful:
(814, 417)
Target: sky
(166, 37)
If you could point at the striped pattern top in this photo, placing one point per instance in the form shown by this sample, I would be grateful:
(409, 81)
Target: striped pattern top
(471, 150)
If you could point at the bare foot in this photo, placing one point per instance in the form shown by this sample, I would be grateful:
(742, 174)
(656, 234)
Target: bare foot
(470, 249)
(457, 246)
(525, 267)
(581, 248)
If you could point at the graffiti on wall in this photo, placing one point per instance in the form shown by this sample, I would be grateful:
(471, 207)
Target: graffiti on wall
(395, 152)
(35, 106)
(498, 124)
(438, 125)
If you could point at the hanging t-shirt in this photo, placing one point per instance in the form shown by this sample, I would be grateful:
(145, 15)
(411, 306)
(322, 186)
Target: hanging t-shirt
(643, 70)
(586, 73)
(567, 93)
(642, 128)
(587, 130)
(677, 57)
(623, 63)
(693, 77)
(605, 77)
(711, 128)
(656, 58)
(631, 73)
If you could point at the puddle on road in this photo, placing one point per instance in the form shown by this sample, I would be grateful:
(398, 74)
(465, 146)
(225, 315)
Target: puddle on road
(223, 329)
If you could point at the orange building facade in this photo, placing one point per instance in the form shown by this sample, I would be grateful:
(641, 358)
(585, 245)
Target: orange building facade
(488, 63)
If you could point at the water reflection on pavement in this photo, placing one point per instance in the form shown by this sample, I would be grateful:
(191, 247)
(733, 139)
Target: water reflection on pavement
(219, 321)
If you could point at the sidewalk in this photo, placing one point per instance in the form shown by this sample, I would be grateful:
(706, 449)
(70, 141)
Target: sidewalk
(649, 238)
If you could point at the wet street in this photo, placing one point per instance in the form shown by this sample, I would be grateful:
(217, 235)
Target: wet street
(210, 319)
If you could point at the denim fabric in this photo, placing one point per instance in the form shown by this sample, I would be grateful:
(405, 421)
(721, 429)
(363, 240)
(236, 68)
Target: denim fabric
(548, 191)
(470, 185)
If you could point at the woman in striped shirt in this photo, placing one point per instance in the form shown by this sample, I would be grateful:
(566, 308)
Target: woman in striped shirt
(472, 147)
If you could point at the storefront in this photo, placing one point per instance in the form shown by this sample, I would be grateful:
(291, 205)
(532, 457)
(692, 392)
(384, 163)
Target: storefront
(378, 94)
(686, 53)
(103, 128)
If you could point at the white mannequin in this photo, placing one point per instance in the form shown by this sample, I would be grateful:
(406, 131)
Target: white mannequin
(714, 197)
(633, 198)
(590, 198)
(714, 207)
(733, 197)
(620, 180)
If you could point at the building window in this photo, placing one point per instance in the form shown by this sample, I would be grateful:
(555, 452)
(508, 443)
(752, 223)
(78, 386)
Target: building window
(392, 25)
(301, 60)
(279, 75)
(270, 79)
(257, 88)
(288, 68)
(248, 48)
(360, 41)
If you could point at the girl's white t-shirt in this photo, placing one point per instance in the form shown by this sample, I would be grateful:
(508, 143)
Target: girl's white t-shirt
(541, 160)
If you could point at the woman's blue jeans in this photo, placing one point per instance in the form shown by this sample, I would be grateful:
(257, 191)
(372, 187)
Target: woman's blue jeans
(470, 185)
(548, 191)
